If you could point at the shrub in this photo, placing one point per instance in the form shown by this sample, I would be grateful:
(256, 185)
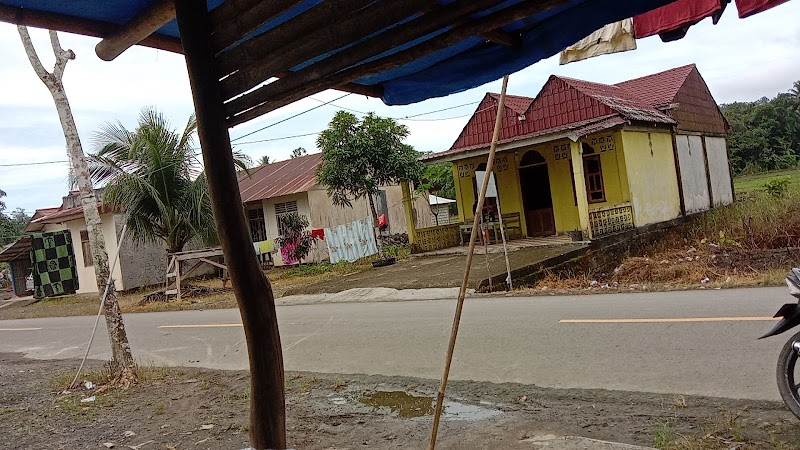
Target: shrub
(777, 187)
(295, 234)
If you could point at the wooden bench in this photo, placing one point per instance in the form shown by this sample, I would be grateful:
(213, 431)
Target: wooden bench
(513, 225)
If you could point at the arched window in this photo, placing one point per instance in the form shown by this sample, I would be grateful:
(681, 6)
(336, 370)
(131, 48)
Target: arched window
(531, 158)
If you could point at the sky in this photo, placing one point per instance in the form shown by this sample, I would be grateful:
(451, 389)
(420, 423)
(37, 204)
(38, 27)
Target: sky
(741, 60)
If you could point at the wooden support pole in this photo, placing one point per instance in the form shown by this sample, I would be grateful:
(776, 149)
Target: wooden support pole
(178, 280)
(408, 208)
(462, 293)
(136, 30)
(252, 289)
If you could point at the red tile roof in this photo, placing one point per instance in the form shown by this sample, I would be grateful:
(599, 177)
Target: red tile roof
(566, 103)
(279, 178)
(658, 89)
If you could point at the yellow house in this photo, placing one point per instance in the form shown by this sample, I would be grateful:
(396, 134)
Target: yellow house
(595, 157)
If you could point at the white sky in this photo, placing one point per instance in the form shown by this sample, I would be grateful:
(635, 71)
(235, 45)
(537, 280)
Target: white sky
(740, 60)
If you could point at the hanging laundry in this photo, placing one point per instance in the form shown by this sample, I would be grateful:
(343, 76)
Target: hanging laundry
(672, 21)
(287, 254)
(53, 261)
(267, 246)
(319, 233)
(351, 241)
(256, 248)
(749, 7)
(613, 38)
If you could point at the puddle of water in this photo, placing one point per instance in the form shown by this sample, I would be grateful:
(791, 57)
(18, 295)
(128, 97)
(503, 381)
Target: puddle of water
(408, 406)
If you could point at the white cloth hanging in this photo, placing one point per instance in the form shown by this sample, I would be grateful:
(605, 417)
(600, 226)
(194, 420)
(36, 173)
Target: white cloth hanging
(612, 38)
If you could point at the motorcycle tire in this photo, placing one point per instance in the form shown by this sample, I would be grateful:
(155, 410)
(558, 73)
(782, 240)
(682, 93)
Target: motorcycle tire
(786, 374)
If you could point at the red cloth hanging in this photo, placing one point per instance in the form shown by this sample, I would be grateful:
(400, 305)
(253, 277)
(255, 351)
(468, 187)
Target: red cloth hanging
(749, 7)
(674, 16)
(319, 233)
(383, 222)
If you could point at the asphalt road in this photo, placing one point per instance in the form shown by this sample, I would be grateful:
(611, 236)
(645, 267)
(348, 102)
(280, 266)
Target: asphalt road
(561, 341)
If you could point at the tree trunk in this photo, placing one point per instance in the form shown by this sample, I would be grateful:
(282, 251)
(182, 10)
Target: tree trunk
(250, 285)
(122, 358)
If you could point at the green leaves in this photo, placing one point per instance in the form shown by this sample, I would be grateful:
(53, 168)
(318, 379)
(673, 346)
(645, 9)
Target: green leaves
(155, 177)
(360, 156)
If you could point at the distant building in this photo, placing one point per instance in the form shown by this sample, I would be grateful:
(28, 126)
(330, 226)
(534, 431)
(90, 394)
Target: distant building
(599, 158)
(283, 187)
(440, 209)
(138, 265)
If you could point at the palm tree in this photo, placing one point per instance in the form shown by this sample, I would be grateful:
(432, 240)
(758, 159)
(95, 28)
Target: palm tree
(264, 160)
(155, 177)
(795, 92)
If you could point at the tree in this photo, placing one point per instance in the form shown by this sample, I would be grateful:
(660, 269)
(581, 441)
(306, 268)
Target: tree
(122, 359)
(152, 175)
(295, 236)
(264, 160)
(358, 157)
(298, 152)
(438, 180)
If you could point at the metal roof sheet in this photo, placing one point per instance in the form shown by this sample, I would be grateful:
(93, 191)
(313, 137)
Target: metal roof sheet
(279, 178)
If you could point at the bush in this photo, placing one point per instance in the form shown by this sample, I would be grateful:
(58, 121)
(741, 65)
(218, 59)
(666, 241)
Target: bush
(295, 234)
(777, 187)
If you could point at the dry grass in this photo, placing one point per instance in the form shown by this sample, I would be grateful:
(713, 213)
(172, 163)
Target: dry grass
(751, 243)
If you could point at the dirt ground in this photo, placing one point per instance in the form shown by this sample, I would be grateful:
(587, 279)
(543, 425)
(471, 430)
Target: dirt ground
(204, 409)
(440, 271)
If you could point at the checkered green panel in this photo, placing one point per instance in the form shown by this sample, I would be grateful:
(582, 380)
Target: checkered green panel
(53, 260)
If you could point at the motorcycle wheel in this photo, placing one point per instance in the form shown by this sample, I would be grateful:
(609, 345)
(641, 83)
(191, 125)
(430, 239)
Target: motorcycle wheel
(787, 373)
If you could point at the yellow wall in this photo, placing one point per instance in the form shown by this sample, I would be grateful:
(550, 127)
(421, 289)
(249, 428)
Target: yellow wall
(650, 164)
(557, 155)
(506, 177)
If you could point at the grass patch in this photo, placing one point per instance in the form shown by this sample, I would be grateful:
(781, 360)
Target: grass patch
(752, 183)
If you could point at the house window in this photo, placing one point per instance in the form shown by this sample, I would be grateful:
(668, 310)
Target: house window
(594, 179)
(86, 249)
(283, 209)
(258, 227)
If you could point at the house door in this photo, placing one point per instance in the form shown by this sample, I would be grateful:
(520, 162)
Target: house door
(536, 198)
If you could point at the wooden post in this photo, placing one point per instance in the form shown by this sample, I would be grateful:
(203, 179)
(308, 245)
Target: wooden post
(178, 279)
(462, 293)
(252, 289)
(580, 188)
(409, 210)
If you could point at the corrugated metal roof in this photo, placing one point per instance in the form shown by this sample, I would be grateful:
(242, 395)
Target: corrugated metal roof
(279, 178)
(20, 248)
(58, 215)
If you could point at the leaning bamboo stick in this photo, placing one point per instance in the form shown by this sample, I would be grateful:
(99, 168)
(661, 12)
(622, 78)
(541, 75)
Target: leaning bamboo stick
(463, 291)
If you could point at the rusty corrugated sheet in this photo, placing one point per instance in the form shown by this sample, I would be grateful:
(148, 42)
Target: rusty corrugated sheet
(279, 178)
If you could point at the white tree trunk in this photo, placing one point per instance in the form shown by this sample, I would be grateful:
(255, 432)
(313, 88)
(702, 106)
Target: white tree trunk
(120, 349)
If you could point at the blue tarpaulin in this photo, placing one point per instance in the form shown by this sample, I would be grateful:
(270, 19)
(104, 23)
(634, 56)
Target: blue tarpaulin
(461, 66)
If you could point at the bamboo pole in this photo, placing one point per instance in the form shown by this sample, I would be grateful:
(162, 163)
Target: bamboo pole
(463, 291)
(509, 283)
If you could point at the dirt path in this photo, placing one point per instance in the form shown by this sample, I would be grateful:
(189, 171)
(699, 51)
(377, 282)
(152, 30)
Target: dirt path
(187, 408)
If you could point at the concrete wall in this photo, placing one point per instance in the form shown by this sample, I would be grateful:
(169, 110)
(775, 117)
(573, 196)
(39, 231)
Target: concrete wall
(694, 180)
(719, 170)
(86, 276)
(653, 180)
(141, 264)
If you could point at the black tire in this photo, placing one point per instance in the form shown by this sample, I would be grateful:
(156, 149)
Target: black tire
(788, 384)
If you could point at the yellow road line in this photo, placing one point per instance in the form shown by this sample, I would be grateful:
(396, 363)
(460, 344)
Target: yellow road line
(19, 329)
(204, 325)
(673, 320)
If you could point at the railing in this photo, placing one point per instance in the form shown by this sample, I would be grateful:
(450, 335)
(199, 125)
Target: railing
(436, 238)
(611, 220)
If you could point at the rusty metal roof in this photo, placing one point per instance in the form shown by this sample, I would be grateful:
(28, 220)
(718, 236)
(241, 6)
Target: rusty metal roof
(20, 248)
(279, 178)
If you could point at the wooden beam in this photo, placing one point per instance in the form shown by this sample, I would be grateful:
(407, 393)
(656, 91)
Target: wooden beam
(285, 35)
(77, 25)
(354, 88)
(336, 35)
(231, 27)
(147, 22)
(318, 77)
(502, 37)
(251, 288)
(399, 35)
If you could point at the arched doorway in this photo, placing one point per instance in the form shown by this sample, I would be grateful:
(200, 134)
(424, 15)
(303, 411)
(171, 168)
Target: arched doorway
(536, 199)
